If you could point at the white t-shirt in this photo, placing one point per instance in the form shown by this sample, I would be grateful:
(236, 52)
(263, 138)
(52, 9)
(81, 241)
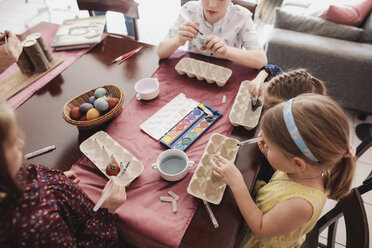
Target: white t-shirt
(236, 28)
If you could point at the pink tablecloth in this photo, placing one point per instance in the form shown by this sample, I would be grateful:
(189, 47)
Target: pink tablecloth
(68, 57)
(144, 220)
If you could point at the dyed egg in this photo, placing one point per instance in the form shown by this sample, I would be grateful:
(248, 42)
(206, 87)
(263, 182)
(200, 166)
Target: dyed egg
(83, 118)
(84, 107)
(92, 99)
(100, 92)
(75, 113)
(101, 104)
(112, 169)
(92, 113)
(112, 102)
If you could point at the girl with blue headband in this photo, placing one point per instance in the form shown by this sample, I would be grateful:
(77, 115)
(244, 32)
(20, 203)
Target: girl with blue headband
(306, 139)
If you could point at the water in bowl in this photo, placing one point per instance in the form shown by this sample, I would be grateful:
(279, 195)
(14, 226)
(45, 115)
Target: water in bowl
(173, 165)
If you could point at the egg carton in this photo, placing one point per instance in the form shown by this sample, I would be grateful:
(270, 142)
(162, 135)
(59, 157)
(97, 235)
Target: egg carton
(168, 116)
(102, 149)
(204, 184)
(203, 70)
(241, 113)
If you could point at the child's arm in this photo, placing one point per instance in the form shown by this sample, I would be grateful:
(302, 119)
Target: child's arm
(250, 58)
(186, 32)
(281, 219)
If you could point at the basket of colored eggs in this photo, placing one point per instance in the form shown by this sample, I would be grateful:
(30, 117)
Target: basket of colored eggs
(94, 107)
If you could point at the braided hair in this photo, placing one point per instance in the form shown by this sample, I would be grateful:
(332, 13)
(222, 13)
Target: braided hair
(291, 84)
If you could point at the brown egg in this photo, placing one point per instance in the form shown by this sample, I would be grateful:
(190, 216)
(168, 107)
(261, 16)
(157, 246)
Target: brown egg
(112, 102)
(75, 113)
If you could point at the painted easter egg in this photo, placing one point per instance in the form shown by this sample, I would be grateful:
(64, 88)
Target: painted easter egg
(92, 113)
(100, 92)
(84, 107)
(75, 113)
(112, 169)
(101, 104)
(92, 99)
(112, 102)
(83, 118)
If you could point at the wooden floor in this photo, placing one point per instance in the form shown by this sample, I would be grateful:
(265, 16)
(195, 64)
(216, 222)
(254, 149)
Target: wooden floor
(17, 15)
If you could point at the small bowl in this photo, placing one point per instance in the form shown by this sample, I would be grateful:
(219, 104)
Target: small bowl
(147, 88)
(172, 164)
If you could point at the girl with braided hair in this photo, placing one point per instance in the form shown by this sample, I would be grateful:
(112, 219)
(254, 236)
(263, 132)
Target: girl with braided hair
(284, 86)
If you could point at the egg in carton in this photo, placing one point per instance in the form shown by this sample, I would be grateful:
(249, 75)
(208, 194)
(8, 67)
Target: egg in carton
(204, 184)
(102, 149)
(241, 113)
(203, 71)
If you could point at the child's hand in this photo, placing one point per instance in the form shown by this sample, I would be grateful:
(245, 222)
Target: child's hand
(187, 31)
(117, 196)
(253, 84)
(72, 176)
(216, 45)
(227, 172)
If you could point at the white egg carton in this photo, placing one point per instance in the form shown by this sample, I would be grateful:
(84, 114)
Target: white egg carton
(102, 149)
(203, 70)
(241, 113)
(204, 184)
(168, 116)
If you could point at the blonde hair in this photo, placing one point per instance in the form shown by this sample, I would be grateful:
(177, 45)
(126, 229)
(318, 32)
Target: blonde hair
(325, 129)
(7, 123)
(291, 84)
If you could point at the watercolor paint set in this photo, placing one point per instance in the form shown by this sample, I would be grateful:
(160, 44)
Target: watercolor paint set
(191, 127)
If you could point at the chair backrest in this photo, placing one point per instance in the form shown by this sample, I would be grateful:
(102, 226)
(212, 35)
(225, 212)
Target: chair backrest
(352, 208)
(127, 7)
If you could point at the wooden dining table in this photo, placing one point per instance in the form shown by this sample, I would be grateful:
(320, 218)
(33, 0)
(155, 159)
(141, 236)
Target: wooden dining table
(40, 119)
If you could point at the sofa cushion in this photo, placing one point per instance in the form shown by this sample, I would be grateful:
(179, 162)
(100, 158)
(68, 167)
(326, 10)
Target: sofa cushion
(314, 25)
(348, 14)
(367, 30)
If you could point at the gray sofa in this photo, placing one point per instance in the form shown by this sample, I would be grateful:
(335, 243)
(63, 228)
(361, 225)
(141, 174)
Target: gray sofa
(339, 55)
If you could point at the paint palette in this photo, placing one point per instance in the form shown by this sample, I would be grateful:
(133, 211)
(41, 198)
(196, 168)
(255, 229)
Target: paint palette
(203, 70)
(102, 149)
(204, 184)
(168, 116)
(241, 113)
(190, 128)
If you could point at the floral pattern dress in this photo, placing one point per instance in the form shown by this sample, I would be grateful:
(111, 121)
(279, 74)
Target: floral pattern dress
(53, 212)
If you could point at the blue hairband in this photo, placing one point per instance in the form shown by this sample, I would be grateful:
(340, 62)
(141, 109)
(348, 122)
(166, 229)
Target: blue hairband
(293, 131)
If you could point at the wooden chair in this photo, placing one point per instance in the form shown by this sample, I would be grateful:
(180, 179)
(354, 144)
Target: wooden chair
(352, 208)
(127, 7)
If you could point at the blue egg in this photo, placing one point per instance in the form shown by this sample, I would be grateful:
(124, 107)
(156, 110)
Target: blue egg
(84, 107)
(92, 99)
(101, 104)
(100, 92)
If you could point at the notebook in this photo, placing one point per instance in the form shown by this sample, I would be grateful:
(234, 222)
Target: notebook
(79, 33)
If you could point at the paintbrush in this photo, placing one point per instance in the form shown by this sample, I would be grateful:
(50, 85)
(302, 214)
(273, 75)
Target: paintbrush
(256, 104)
(6, 43)
(109, 189)
(247, 142)
(188, 19)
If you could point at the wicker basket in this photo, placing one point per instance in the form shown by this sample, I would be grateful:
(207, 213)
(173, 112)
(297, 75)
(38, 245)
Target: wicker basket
(112, 91)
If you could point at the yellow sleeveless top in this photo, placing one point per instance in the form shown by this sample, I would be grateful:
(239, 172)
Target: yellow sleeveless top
(278, 190)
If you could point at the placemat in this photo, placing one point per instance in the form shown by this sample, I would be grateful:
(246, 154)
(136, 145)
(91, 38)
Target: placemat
(144, 221)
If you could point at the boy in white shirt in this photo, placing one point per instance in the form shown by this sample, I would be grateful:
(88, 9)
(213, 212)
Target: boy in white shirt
(229, 29)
